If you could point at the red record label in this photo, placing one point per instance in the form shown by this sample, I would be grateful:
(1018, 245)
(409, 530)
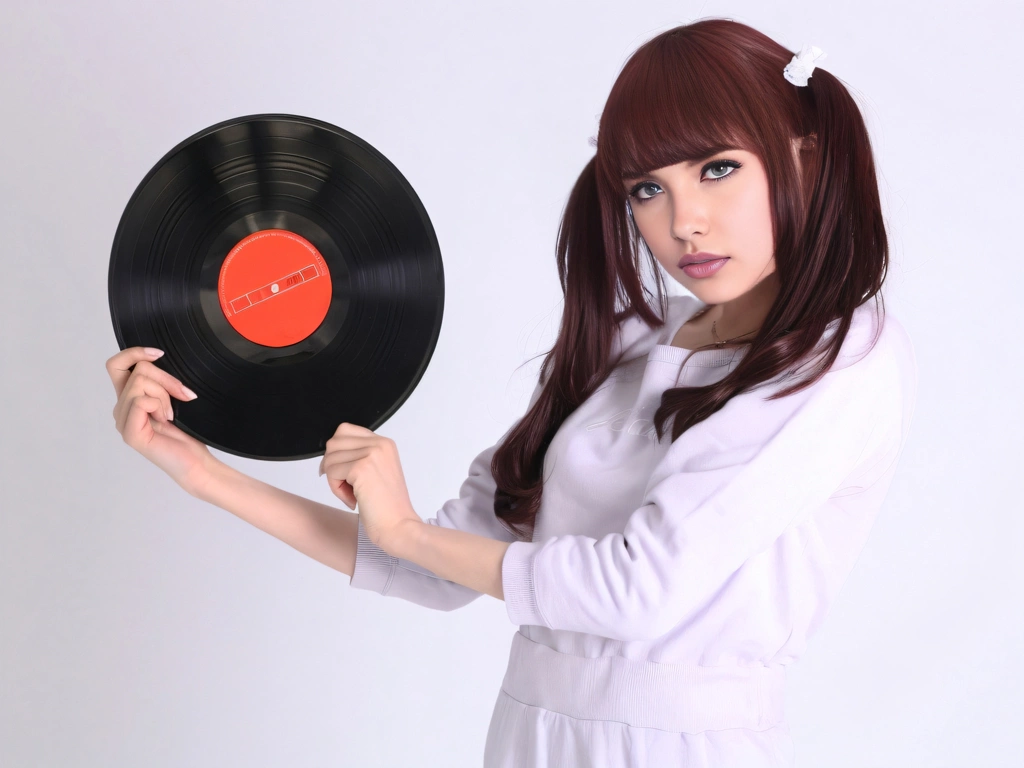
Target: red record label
(274, 288)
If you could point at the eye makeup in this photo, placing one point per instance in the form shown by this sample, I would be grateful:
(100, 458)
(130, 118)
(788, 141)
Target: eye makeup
(719, 164)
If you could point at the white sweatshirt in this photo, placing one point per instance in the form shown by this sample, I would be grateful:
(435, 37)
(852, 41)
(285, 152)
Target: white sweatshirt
(727, 546)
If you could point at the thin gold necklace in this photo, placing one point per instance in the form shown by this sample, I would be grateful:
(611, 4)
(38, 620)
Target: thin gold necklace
(718, 342)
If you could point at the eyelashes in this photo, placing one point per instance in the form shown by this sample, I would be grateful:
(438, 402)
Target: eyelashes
(732, 164)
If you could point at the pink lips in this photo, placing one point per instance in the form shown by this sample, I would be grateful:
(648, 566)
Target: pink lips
(702, 264)
(691, 258)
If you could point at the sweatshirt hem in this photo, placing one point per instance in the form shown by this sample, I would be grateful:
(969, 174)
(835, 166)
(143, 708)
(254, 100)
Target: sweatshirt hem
(682, 698)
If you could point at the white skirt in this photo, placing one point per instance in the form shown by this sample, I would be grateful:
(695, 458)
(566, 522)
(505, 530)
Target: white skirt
(556, 709)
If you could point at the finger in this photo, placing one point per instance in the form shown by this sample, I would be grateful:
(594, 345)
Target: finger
(339, 486)
(170, 383)
(168, 428)
(145, 364)
(138, 431)
(343, 455)
(346, 428)
(156, 389)
(119, 366)
(350, 494)
(339, 460)
(344, 491)
(141, 387)
(351, 440)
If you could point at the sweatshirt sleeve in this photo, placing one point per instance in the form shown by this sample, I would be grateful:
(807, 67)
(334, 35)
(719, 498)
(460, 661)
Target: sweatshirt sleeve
(724, 491)
(472, 511)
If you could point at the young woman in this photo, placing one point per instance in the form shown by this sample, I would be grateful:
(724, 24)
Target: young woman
(693, 481)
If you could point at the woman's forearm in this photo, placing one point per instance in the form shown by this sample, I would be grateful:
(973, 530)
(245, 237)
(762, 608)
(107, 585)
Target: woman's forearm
(465, 558)
(327, 534)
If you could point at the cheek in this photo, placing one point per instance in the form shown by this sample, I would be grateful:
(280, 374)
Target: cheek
(750, 223)
(658, 238)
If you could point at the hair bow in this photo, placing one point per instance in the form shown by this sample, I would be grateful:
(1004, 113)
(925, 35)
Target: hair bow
(802, 64)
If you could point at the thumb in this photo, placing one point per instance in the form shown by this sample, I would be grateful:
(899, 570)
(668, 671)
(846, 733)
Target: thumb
(347, 494)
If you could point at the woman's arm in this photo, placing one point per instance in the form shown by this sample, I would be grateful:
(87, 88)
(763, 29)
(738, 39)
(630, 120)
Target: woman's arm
(457, 556)
(336, 538)
(471, 513)
(327, 534)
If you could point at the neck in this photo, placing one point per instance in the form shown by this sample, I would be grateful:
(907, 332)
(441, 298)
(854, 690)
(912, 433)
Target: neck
(744, 315)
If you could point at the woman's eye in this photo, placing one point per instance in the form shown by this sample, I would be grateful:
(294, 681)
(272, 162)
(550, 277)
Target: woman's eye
(720, 169)
(639, 187)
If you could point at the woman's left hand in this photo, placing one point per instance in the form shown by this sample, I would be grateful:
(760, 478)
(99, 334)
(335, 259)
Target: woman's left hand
(363, 468)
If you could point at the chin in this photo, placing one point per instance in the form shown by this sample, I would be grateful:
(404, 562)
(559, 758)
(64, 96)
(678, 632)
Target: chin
(706, 290)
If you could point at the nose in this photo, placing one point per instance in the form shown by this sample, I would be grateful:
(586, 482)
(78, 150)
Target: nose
(689, 217)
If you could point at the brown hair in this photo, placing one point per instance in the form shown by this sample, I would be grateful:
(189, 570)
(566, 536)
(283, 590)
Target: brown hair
(684, 95)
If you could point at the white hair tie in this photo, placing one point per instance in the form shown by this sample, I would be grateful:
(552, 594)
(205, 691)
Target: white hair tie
(802, 65)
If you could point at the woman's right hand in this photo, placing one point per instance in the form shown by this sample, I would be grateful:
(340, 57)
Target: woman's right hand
(143, 417)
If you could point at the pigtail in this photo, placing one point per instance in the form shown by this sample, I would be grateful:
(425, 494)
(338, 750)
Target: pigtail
(574, 367)
(844, 212)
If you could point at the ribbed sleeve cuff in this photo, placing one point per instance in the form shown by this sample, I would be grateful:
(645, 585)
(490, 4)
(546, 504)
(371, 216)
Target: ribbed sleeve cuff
(374, 568)
(517, 583)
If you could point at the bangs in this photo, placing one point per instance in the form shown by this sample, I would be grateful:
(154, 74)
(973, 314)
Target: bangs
(671, 108)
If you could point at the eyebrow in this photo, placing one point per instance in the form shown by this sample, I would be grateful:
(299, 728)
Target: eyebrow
(687, 163)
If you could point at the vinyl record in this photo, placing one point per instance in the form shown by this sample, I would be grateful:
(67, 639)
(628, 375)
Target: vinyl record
(292, 277)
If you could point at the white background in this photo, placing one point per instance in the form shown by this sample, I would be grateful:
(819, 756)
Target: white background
(142, 627)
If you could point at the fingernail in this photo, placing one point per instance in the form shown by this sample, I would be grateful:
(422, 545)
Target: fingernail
(154, 352)
(191, 395)
(321, 471)
(170, 414)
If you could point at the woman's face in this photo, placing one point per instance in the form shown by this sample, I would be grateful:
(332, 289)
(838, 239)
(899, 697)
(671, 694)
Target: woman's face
(718, 206)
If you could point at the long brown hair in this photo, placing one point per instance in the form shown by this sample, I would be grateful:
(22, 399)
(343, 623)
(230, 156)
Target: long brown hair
(684, 95)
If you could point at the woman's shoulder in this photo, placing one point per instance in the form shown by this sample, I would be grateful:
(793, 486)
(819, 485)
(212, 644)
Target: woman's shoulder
(875, 370)
(876, 340)
(875, 363)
